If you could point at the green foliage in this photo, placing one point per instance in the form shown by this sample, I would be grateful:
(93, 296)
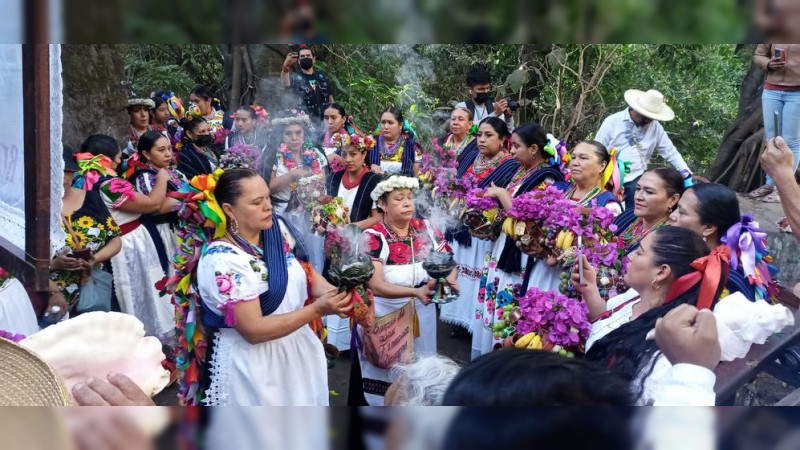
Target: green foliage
(556, 84)
(175, 68)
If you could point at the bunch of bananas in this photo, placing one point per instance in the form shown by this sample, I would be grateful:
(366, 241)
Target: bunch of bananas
(509, 227)
(531, 341)
(564, 239)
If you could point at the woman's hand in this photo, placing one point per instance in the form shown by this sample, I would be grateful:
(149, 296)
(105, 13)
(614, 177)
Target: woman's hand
(452, 279)
(424, 293)
(299, 172)
(163, 174)
(775, 64)
(589, 282)
(334, 302)
(376, 168)
(56, 299)
(65, 262)
(494, 191)
(119, 390)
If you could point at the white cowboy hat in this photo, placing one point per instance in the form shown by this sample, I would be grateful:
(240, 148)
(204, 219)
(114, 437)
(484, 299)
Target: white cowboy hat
(649, 104)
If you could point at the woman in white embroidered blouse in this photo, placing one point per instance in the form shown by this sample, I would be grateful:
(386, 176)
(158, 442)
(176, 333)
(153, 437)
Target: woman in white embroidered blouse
(662, 277)
(254, 288)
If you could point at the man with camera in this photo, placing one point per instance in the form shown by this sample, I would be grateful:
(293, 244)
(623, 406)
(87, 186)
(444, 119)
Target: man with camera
(311, 86)
(479, 81)
(636, 132)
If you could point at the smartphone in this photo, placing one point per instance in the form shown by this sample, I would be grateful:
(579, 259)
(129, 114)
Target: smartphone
(579, 255)
(780, 54)
(777, 117)
(84, 254)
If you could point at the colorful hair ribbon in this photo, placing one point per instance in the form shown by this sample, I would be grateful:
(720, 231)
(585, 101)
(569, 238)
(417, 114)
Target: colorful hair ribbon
(175, 106)
(747, 243)
(614, 174)
(207, 203)
(710, 272)
(93, 169)
(559, 156)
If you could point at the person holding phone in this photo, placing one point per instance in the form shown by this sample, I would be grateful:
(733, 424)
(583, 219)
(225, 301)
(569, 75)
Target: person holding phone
(782, 96)
(311, 86)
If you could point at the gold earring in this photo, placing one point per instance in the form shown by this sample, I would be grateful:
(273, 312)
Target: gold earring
(654, 285)
(235, 225)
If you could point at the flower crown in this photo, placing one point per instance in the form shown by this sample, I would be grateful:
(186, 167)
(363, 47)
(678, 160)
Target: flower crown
(340, 140)
(294, 117)
(136, 101)
(394, 183)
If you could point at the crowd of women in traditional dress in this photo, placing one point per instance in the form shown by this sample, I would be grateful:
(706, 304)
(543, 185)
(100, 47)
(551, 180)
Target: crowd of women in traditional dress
(224, 234)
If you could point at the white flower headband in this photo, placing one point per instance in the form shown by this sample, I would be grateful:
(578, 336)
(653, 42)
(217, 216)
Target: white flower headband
(135, 101)
(393, 184)
(297, 117)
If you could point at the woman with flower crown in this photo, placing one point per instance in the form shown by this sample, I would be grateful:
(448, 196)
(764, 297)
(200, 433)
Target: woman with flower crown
(137, 267)
(593, 171)
(354, 185)
(336, 122)
(398, 245)
(482, 167)
(261, 301)
(537, 162)
(298, 177)
(397, 150)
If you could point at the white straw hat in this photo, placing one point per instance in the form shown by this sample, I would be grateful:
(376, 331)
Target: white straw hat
(649, 104)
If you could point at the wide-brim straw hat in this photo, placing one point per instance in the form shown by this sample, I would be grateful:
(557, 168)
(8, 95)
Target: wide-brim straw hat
(26, 380)
(649, 104)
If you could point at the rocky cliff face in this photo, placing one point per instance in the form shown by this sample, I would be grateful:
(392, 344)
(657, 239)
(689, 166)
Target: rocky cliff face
(94, 97)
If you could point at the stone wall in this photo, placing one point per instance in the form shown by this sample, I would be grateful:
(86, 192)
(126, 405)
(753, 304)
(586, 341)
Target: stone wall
(94, 97)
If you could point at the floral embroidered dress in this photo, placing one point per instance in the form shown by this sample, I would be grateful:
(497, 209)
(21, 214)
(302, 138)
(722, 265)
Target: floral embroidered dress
(497, 287)
(136, 268)
(402, 266)
(313, 160)
(93, 227)
(471, 260)
(291, 200)
(289, 371)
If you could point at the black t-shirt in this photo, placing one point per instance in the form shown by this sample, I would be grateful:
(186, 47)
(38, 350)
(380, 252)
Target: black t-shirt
(314, 91)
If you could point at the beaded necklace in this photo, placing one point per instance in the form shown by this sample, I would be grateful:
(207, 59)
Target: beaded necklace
(636, 232)
(248, 247)
(585, 200)
(393, 151)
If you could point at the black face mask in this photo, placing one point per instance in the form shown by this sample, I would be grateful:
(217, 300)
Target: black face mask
(306, 63)
(481, 98)
(203, 140)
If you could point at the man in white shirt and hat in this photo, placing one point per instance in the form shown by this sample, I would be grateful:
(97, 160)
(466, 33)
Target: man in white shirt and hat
(636, 132)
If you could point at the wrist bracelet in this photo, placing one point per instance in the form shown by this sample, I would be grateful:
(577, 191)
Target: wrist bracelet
(285, 69)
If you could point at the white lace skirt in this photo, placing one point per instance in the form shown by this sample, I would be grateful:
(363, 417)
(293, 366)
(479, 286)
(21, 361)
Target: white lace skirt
(136, 271)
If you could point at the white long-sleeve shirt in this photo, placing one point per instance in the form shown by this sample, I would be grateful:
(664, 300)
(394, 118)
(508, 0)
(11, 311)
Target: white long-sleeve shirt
(637, 144)
(482, 112)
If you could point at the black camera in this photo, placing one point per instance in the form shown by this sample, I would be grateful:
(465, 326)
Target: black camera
(513, 105)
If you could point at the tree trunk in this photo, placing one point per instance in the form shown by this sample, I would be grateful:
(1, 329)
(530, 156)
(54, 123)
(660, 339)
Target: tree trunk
(737, 162)
(94, 98)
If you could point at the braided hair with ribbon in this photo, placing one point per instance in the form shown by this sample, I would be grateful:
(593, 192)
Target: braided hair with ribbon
(698, 278)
